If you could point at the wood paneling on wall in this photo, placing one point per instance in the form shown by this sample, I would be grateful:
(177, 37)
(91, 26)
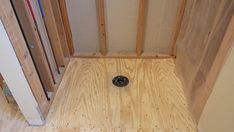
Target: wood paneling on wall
(201, 36)
(215, 107)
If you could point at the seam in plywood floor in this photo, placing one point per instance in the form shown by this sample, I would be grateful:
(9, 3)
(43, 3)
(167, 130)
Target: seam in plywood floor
(88, 102)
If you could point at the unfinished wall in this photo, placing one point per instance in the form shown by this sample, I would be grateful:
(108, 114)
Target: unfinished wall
(218, 113)
(121, 17)
(203, 28)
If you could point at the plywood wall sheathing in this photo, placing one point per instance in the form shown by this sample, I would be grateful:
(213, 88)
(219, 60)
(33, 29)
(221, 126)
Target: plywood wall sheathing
(203, 93)
(202, 32)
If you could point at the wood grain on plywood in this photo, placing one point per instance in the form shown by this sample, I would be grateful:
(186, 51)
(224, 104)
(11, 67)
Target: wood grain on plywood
(203, 28)
(87, 100)
(201, 96)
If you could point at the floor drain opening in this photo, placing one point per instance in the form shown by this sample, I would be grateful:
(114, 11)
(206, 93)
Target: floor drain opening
(120, 81)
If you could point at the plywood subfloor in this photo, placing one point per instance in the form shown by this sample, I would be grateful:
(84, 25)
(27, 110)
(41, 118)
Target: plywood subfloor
(88, 102)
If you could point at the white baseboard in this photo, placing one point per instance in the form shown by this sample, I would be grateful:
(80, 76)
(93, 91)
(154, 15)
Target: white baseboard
(36, 122)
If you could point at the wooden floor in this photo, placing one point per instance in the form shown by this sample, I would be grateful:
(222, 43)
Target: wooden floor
(88, 102)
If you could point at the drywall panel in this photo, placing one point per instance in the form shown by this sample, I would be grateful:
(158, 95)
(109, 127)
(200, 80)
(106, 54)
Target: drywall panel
(83, 19)
(218, 114)
(121, 24)
(160, 24)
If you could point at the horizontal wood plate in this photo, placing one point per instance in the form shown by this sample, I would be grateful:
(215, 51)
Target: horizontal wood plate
(127, 55)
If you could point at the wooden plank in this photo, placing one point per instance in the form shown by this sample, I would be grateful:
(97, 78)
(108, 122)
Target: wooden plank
(44, 37)
(101, 26)
(53, 32)
(60, 27)
(63, 9)
(17, 40)
(214, 43)
(34, 43)
(140, 27)
(178, 22)
(124, 55)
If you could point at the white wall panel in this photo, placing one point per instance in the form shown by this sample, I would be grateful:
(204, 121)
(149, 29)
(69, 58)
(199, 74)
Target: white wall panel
(160, 22)
(121, 24)
(83, 19)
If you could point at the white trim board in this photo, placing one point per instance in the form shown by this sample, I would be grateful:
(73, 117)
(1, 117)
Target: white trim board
(13, 74)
